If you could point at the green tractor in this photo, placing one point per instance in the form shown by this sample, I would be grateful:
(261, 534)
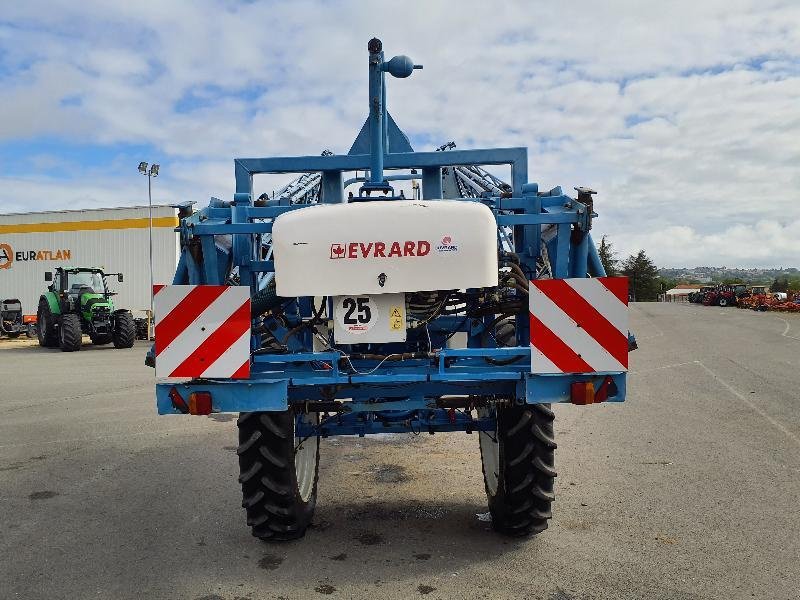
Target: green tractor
(78, 301)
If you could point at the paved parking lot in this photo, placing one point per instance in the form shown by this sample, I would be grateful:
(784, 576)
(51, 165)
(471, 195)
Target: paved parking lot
(689, 490)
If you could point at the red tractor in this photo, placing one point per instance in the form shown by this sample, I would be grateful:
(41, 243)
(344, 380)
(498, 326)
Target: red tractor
(722, 295)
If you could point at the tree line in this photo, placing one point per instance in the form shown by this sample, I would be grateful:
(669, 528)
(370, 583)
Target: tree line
(785, 284)
(644, 283)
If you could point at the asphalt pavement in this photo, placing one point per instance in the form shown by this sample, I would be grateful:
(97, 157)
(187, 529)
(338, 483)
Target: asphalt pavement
(689, 490)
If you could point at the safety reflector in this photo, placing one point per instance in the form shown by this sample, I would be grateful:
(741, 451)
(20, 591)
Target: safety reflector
(202, 331)
(177, 401)
(606, 389)
(200, 403)
(582, 392)
(579, 325)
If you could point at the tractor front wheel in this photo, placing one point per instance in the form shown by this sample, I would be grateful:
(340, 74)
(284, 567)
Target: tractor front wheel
(45, 326)
(69, 334)
(278, 473)
(124, 332)
(518, 468)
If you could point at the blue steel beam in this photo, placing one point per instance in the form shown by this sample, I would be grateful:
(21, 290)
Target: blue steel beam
(277, 394)
(537, 219)
(431, 183)
(332, 187)
(579, 258)
(596, 268)
(377, 107)
(420, 421)
(404, 176)
(245, 168)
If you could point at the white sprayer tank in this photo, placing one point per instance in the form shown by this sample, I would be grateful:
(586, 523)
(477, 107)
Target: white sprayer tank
(384, 247)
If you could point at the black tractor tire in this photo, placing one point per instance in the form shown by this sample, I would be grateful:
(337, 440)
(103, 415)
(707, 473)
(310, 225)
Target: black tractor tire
(46, 326)
(520, 493)
(100, 339)
(723, 302)
(70, 334)
(277, 508)
(124, 330)
(14, 335)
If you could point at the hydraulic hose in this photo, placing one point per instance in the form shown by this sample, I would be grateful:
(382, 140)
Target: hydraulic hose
(266, 299)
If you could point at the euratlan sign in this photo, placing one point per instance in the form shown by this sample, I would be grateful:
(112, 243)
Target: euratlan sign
(8, 256)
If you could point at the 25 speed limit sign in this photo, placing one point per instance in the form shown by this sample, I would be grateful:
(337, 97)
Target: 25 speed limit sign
(357, 314)
(369, 318)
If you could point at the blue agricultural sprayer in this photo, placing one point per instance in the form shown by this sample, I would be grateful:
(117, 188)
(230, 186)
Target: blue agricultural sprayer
(471, 306)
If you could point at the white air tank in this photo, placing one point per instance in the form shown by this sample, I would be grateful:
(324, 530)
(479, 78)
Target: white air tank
(384, 247)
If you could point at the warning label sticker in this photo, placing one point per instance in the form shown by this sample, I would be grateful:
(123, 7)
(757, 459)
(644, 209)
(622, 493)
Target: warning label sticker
(396, 320)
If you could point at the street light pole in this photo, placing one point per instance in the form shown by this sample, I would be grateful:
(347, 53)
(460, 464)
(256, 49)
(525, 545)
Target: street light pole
(151, 172)
(150, 235)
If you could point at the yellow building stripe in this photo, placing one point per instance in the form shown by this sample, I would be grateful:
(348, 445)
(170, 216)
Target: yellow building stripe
(142, 223)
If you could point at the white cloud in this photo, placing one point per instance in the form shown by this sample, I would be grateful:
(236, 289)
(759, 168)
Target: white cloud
(764, 242)
(683, 114)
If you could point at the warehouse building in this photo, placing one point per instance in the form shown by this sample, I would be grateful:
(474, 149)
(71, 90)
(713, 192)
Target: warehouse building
(113, 239)
(680, 293)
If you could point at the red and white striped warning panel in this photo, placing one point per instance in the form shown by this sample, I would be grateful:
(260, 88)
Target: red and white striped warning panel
(579, 325)
(202, 331)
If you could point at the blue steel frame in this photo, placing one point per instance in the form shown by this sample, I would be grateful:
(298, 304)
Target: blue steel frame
(398, 396)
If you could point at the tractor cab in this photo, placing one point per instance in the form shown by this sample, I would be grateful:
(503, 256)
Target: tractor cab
(70, 281)
(86, 282)
(83, 289)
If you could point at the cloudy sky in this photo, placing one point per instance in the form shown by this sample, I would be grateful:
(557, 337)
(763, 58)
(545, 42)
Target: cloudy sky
(685, 116)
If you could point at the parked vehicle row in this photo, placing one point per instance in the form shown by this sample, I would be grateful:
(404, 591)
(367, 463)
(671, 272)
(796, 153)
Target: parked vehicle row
(779, 301)
(719, 295)
(738, 295)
